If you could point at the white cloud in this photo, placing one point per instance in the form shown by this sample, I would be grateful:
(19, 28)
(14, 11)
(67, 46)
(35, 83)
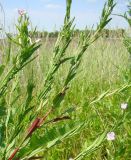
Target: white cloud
(53, 6)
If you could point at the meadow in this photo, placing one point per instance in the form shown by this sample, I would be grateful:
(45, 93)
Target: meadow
(103, 69)
(65, 98)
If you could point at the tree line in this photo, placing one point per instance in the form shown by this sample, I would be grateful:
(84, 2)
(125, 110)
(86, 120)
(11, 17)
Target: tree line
(106, 33)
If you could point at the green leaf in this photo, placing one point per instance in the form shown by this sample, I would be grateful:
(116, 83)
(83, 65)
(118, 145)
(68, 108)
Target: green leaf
(51, 138)
(2, 130)
(2, 67)
(94, 146)
(2, 107)
(58, 99)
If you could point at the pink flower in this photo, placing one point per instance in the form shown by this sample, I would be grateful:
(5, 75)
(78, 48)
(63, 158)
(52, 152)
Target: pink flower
(21, 12)
(124, 106)
(110, 136)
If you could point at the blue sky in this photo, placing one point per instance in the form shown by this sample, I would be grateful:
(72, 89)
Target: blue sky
(49, 14)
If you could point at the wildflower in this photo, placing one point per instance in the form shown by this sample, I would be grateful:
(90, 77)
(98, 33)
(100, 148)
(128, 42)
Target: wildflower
(124, 106)
(21, 12)
(71, 159)
(110, 136)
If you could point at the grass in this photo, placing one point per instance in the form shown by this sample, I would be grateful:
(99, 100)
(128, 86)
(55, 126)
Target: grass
(103, 68)
(103, 64)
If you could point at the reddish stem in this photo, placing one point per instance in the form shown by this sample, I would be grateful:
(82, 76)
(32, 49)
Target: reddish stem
(13, 154)
(37, 123)
(34, 126)
(44, 118)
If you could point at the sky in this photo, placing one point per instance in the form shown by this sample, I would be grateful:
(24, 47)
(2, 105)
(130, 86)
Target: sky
(48, 14)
